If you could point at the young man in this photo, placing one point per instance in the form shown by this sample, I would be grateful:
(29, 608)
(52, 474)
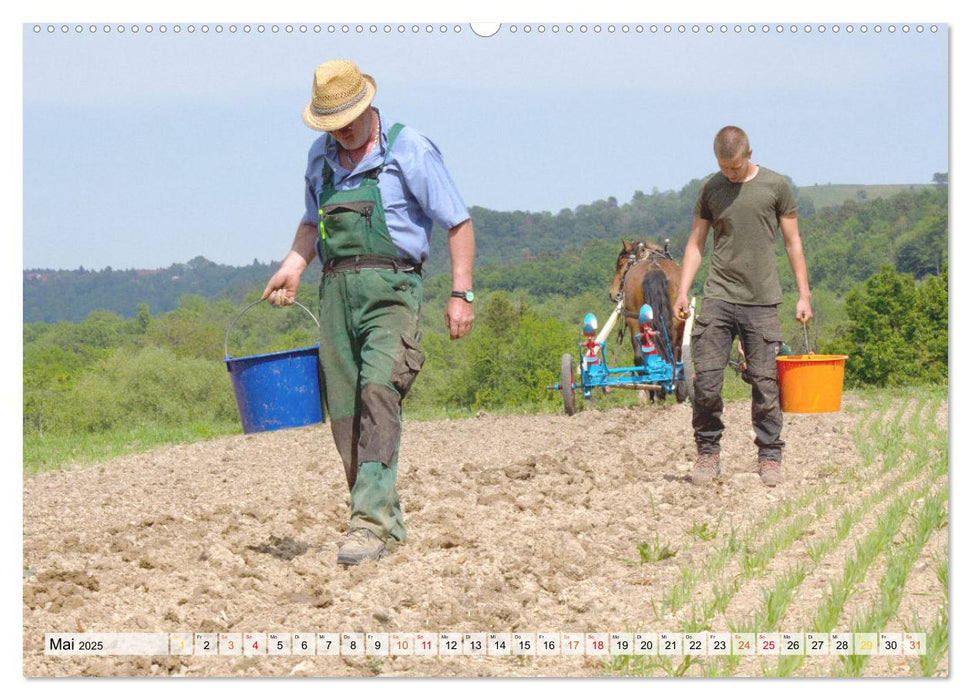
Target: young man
(373, 191)
(745, 204)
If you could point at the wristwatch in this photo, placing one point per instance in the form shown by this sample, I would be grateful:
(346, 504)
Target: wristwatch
(467, 295)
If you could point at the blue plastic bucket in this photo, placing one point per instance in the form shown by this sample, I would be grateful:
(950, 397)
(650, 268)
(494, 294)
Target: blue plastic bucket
(276, 390)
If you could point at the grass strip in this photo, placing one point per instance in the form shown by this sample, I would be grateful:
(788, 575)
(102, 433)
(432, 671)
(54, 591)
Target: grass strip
(754, 559)
(816, 550)
(49, 452)
(778, 599)
(881, 432)
(753, 562)
(827, 614)
(901, 560)
(933, 466)
(688, 577)
(938, 637)
(937, 644)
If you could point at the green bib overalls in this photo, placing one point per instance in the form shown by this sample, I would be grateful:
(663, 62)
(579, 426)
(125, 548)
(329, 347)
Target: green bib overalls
(369, 355)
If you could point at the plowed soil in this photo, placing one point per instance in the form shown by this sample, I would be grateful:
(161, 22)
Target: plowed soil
(516, 524)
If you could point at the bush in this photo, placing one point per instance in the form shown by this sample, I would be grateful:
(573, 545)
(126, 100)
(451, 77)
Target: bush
(897, 331)
(148, 386)
(514, 357)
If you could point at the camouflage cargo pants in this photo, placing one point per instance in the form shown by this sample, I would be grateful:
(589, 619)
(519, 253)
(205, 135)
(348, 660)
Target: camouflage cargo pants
(715, 328)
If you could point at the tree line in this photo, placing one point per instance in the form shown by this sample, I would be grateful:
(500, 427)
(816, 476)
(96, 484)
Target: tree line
(108, 372)
(845, 245)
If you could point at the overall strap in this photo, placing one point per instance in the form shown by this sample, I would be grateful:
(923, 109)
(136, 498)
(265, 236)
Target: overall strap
(392, 135)
(326, 172)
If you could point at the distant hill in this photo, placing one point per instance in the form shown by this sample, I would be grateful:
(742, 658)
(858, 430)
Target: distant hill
(70, 295)
(835, 195)
(848, 231)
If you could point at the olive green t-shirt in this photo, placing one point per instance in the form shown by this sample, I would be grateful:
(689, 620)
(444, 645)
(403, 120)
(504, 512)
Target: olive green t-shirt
(745, 217)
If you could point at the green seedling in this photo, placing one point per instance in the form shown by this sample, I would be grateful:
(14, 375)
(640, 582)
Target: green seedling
(653, 552)
(703, 532)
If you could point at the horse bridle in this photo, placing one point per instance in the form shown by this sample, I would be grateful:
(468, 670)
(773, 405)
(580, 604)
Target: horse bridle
(631, 259)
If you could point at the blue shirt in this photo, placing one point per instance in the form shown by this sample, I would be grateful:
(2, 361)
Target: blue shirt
(416, 189)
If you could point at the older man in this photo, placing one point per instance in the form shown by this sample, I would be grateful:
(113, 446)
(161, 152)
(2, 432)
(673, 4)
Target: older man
(374, 189)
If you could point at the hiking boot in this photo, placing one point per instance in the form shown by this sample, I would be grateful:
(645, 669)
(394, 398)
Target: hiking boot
(771, 471)
(706, 469)
(359, 546)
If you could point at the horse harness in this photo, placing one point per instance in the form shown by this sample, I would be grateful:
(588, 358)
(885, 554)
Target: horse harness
(636, 256)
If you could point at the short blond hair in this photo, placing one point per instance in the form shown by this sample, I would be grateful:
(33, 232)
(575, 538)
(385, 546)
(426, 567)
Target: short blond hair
(731, 142)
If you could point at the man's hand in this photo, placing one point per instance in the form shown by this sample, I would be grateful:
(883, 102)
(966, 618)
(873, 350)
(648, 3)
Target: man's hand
(682, 309)
(804, 312)
(459, 315)
(281, 290)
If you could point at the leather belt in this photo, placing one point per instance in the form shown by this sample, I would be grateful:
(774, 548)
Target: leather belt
(356, 263)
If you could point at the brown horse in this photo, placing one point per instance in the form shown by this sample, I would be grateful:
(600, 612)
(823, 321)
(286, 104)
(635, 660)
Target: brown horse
(647, 274)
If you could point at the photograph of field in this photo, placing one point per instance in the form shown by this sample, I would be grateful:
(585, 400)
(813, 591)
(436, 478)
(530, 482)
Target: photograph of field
(532, 510)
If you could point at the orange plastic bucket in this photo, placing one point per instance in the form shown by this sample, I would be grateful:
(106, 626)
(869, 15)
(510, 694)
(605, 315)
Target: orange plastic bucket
(810, 383)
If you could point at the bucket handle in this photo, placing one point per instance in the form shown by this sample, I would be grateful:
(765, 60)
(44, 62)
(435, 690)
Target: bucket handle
(240, 314)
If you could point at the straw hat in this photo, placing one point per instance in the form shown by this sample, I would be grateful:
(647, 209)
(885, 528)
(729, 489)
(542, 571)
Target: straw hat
(341, 94)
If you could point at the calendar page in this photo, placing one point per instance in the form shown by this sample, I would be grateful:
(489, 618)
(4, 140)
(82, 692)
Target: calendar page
(510, 513)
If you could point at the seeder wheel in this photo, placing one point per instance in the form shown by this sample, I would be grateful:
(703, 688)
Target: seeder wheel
(566, 384)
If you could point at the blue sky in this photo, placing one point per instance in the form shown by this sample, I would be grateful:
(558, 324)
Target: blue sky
(145, 149)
